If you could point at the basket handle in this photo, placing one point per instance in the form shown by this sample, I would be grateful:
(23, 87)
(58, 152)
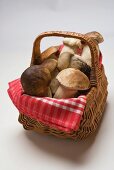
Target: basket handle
(88, 40)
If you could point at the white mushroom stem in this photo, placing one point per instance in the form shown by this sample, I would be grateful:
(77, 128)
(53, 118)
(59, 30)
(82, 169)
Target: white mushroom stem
(64, 60)
(49, 92)
(63, 93)
(86, 55)
(54, 85)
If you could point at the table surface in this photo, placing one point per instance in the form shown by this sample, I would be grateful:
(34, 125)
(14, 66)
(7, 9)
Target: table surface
(20, 22)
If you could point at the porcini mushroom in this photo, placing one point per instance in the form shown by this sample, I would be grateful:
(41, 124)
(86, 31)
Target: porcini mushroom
(64, 60)
(54, 85)
(49, 92)
(77, 63)
(35, 81)
(48, 53)
(50, 64)
(54, 82)
(97, 37)
(71, 81)
(71, 45)
(86, 55)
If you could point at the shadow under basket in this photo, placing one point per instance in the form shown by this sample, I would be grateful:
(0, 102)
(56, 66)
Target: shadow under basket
(96, 96)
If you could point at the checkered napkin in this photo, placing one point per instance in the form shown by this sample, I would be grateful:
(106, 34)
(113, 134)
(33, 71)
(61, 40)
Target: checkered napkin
(63, 114)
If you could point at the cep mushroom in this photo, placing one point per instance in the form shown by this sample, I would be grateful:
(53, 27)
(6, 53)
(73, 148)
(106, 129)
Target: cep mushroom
(71, 45)
(64, 60)
(54, 82)
(49, 53)
(50, 64)
(71, 81)
(35, 81)
(86, 53)
(77, 63)
(49, 94)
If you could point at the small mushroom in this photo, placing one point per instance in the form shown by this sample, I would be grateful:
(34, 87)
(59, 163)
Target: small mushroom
(35, 80)
(77, 63)
(71, 81)
(50, 64)
(71, 45)
(64, 60)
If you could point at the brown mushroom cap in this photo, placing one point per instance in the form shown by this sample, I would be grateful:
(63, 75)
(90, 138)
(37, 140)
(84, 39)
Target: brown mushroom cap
(73, 79)
(50, 64)
(49, 52)
(35, 80)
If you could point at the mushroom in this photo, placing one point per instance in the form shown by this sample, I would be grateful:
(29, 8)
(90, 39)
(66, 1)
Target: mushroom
(54, 73)
(97, 37)
(64, 60)
(71, 81)
(54, 85)
(50, 64)
(77, 63)
(71, 45)
(49, 53)
(54, 82)
(35, 80)
(49, 92)
(86, 55)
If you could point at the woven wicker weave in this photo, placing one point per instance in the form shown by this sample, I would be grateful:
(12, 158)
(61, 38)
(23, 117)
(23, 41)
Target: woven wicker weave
(96, 97)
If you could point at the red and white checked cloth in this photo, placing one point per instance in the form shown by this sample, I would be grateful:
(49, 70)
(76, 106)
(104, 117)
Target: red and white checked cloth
(63, 114)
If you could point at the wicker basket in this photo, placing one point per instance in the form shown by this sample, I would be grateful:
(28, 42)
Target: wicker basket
(96, 97)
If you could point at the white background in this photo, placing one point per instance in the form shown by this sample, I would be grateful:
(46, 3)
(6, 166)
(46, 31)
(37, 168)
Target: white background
(20, 22)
